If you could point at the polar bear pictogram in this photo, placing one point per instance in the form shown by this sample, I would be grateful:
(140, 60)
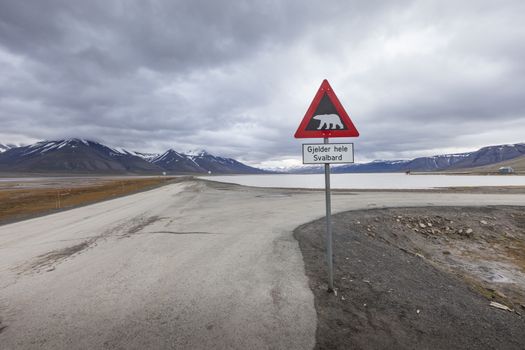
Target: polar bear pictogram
(329, 121)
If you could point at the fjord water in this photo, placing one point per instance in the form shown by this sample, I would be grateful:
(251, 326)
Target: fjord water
(371, 181)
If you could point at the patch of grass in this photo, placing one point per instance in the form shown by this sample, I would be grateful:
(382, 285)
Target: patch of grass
(19, 204)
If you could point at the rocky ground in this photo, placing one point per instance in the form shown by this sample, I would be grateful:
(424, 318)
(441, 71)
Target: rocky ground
(439, 278)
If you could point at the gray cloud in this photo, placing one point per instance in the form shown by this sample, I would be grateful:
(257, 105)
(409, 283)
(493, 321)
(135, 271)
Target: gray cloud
(236, 77)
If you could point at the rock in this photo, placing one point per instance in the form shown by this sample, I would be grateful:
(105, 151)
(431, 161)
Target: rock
(422, 225)
(429, 224)
(483, 222)
(500, 306)
(460, 231)
(398, 220)
(468, 231)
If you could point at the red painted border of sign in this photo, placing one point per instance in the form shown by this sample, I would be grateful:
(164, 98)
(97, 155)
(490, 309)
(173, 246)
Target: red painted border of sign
(302, 133)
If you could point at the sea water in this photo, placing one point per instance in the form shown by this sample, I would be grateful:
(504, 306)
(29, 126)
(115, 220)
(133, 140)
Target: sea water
(371, 181)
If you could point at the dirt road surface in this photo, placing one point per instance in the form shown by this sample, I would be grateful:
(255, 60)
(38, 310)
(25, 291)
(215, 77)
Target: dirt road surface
(193, 265)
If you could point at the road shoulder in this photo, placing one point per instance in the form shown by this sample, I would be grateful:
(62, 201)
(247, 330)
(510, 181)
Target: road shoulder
(389, 297)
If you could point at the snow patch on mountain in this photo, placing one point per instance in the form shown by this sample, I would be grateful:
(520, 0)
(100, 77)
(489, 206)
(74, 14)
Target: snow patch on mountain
(4, 147)
(146, 156)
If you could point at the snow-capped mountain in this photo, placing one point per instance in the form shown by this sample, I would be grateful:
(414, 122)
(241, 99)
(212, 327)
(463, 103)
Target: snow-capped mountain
(72, 156)
(201, 162)
(86, 156)
(221, 165)
(483, 156)
(174, 161)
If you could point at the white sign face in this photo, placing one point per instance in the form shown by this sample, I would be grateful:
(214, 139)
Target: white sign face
(322, 153)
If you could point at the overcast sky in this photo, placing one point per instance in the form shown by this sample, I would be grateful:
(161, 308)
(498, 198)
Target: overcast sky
(236, 77)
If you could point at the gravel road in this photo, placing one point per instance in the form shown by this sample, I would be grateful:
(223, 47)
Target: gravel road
(193, 265)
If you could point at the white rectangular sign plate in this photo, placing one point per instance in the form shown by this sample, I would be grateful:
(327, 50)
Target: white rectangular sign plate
(322, 153)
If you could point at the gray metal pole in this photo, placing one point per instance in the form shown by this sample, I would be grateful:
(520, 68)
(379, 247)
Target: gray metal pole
(328, 225)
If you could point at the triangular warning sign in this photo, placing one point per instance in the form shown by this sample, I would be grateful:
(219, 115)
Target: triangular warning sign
(326, 117)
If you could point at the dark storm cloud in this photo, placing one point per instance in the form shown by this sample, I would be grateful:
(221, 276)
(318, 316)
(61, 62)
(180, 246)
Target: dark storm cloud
(236, 77)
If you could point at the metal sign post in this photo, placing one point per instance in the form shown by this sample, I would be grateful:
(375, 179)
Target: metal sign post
(329, 254)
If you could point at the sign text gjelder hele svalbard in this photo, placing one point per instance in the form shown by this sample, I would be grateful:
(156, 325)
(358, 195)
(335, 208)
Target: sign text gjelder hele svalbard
(328, 153)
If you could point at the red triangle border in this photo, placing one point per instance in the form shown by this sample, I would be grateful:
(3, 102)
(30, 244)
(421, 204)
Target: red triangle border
(351, 130)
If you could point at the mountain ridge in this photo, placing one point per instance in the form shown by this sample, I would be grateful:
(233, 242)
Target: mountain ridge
(484, 156)
(82, 156)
